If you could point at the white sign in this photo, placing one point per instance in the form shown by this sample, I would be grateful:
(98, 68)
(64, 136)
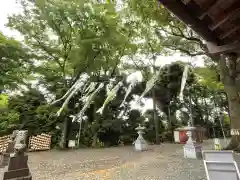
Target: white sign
(217, 144)
(235, 132)
(71, 143)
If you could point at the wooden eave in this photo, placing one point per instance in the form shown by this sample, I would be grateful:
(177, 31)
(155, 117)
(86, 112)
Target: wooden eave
(216, 21)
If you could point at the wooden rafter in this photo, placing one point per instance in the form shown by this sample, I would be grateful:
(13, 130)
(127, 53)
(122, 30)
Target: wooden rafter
(218, 22)
(211, 8)
(218, 3)
(228, 33)
(231, 16)
(178, 8)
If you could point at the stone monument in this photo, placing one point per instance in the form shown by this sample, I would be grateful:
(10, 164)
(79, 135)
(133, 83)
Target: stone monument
(140, 143)
(10, 148)
(18, 162)
(192, 149)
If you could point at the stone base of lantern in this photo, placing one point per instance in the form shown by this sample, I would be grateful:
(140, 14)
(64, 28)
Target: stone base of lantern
(192, 151)
(140, 145)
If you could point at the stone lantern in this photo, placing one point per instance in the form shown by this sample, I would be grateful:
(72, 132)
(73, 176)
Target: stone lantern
(192, 149)
(140, 143)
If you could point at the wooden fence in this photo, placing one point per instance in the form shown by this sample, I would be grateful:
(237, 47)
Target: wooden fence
(36, 143)
(40, 142)
(4, 143)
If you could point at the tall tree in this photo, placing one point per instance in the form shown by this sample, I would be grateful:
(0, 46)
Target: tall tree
(34, 112)
(69, 38)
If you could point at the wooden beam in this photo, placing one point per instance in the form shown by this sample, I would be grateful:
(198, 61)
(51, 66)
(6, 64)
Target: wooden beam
(186, 15)
(231, 16)
(211, 8)
(228, 33)
(229, 48)
(224, 4)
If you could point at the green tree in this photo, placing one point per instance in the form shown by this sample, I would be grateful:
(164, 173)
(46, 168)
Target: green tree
(209, 77)
(69, 38)
(33, 110)
(14, 63)
(3, 101)
(8, 118)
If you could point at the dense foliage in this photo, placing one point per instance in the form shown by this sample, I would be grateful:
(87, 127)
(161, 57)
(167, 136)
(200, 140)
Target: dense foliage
(65, 38)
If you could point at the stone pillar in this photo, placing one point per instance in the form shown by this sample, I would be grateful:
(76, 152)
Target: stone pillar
(140, 143)
(192, 149)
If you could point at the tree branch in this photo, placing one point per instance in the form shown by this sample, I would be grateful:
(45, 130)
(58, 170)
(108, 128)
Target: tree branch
(49, 53)
(192, 38)
(122, 51)
(154, 56)
(185, 51)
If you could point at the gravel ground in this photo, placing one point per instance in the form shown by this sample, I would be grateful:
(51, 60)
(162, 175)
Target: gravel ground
(163, 162)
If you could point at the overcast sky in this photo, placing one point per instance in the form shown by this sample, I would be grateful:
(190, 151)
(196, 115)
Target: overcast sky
(8, 7)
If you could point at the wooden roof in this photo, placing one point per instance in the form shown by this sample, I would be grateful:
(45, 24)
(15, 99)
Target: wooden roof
(217, 21)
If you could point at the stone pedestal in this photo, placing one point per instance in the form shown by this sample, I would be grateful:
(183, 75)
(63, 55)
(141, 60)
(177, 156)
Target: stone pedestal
(192, 149)
(140, 143)
(18, 162)
(17, 168)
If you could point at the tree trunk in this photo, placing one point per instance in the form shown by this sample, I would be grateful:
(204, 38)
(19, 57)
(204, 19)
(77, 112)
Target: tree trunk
(169, 127)
(96, 127)
(230, 76)
(94, 142)
(155, 117)
(63, 140)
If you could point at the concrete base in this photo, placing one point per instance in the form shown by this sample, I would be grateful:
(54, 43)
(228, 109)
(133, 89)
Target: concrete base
(192, 151)
(140, 147)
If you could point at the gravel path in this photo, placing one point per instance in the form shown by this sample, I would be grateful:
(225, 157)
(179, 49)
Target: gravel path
(163, 162)
(167, 164)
